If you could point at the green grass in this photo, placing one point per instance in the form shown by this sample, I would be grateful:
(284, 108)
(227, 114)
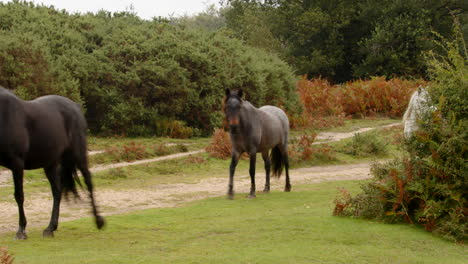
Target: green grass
(180, 170)
(294, 227)
(101, 143)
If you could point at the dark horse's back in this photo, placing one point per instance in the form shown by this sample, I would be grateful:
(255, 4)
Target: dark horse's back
(41, 131)
(60, 121)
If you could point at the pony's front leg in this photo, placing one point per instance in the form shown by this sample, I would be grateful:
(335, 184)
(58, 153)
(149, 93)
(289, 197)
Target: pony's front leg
(232, 168)
(253, 160)
(19, 197)
(267, 161)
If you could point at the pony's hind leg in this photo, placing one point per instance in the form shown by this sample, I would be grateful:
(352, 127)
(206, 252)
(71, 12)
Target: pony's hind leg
(253, 161)
(267, 161)
(284, 150)
(55, 184)
(87, 177)
(80, 159)
(19, 197)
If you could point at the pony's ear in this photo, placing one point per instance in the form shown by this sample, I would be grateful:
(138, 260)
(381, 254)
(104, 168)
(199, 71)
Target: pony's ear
(240, 93)
(228, 92)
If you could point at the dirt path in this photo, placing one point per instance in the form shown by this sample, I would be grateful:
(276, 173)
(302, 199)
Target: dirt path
(120, 201)
(113, 202)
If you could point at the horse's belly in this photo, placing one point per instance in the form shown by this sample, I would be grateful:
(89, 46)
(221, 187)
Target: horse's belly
(45, 151)
(38, 160)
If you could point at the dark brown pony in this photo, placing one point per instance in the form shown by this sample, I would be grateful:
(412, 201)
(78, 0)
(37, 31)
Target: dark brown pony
(257, 130)
(50, 133)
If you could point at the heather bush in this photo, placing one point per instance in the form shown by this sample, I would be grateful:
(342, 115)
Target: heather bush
(303, 149)
(220, 145)
(429, 185)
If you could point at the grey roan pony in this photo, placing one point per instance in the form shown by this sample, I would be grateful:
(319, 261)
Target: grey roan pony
(48, 132)
(254, 130)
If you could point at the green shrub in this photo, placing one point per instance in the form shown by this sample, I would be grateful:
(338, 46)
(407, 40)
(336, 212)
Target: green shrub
(430, 185)
(131, 73)
(365, 145)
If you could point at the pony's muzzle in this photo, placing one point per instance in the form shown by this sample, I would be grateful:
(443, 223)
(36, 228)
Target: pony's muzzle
(233, 124)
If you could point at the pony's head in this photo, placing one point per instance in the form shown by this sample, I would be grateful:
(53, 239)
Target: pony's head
(232, 106)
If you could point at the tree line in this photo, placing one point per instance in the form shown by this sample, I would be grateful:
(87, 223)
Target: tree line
(343, 40)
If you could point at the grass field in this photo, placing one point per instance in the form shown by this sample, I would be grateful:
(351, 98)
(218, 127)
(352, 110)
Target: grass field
(294, 227)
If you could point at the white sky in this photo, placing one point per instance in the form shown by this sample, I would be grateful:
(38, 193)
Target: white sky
(144, 8)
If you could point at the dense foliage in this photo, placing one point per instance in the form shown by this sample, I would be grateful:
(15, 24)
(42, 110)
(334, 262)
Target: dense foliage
(430, 185)
(133, 76)
(345, 39)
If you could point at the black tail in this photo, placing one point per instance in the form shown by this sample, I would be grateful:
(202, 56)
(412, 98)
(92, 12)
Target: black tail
(277, 162)
(69, 177)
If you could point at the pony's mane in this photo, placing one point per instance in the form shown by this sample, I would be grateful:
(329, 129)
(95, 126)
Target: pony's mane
(4, 90)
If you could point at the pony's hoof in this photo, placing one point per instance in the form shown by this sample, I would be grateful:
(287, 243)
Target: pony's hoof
(230, 195)
(21, 236)
(48, 233)
(252, 196)
(100, 222)
(287, 189)
(266, 191)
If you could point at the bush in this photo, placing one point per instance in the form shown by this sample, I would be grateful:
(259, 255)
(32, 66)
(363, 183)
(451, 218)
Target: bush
(175, 129)
(220, 146)
(303, 149)
(365, 145)
(429, 186)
